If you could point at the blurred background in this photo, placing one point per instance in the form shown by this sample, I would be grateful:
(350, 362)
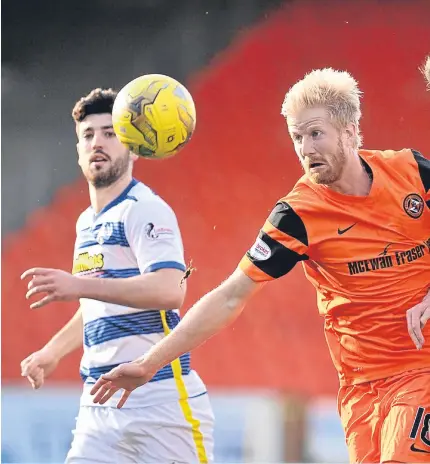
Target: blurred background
(270, 377)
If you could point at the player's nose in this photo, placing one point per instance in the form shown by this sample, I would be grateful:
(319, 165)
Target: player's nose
(308, 147)
(96, 142)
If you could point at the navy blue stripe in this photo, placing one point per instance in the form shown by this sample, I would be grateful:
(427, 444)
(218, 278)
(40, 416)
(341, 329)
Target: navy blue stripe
(87, 244)
(112, 240)
(119, 273)
(110, 328)
(196, 396)
(120, 198)
(165, 265)
(423, 169)
(165, 373)
(116, 235)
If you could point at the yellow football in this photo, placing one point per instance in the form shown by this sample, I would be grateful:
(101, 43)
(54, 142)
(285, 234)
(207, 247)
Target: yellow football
(154, 115)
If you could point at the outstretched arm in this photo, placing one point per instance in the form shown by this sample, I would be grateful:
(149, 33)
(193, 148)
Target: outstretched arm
(281, 243)
(161, 289)
(207, 317)
(157, 275)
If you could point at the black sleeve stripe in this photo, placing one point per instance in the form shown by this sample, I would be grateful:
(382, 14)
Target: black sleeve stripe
(284, 218)
(281, 259)
(423, 168)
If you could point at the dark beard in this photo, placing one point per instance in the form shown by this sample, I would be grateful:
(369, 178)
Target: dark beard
(109, 177)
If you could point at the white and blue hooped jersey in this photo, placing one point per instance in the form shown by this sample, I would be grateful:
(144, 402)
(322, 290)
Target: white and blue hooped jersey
(136, 233)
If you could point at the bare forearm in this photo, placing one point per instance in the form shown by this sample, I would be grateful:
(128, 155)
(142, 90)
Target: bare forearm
(207, 317)
(148, 291)
(69, 338)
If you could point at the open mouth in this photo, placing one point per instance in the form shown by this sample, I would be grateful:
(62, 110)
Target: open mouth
(315, 165)
(98, 159)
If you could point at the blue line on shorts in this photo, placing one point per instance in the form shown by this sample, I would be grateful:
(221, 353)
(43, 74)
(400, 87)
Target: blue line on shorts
(196, 396)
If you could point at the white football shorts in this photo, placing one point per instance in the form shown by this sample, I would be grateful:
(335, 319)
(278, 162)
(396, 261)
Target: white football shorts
(176, 432)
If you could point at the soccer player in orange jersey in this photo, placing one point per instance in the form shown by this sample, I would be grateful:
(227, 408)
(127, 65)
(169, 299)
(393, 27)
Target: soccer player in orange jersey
(359, 222)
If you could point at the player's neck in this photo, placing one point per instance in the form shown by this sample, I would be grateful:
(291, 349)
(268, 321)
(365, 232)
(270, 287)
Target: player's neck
(354, 181)
(101, 197)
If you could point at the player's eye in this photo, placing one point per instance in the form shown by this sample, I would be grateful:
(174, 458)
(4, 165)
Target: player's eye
(316, 134)
(87, 135)
(110, 134)
(297, 137)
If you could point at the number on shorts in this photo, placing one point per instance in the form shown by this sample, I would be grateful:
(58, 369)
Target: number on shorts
(425, 434)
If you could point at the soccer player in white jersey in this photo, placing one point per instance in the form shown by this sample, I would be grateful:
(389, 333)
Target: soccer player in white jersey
(128, 275)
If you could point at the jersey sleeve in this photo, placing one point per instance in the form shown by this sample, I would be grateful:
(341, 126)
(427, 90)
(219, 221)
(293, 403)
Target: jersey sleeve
(281, 243)
(154, 237)
(424, 171)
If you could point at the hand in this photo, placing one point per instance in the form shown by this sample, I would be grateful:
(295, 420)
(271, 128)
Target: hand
(128, 376)
(417, 318)
(38, 366)
(59, 285)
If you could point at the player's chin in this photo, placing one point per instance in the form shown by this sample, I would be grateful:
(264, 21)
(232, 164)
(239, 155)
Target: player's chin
(98, 167)
(97, 174)
(320, 175)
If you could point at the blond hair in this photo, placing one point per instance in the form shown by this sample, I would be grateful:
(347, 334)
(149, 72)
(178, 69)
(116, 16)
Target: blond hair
(426, 71)
(337, 91)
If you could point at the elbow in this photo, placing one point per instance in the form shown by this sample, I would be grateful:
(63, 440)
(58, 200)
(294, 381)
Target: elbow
(173, 300)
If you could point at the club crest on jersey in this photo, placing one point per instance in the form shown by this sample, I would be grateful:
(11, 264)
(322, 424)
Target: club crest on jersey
(260, 250)
(105, 232)
(153, 233)
(413, 205)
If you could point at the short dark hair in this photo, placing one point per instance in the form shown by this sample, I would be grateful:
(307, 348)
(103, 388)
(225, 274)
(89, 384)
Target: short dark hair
(98, 101)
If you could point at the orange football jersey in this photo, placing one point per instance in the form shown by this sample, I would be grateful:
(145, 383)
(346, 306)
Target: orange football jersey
(367, 257)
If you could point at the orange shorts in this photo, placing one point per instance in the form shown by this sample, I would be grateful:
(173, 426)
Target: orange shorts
(389, 419)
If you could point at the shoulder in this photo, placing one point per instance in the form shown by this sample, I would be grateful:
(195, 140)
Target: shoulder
(303, 199)
(289, 213)
(144, 199)
(392, 158)
(149, 209)
(407, 164)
